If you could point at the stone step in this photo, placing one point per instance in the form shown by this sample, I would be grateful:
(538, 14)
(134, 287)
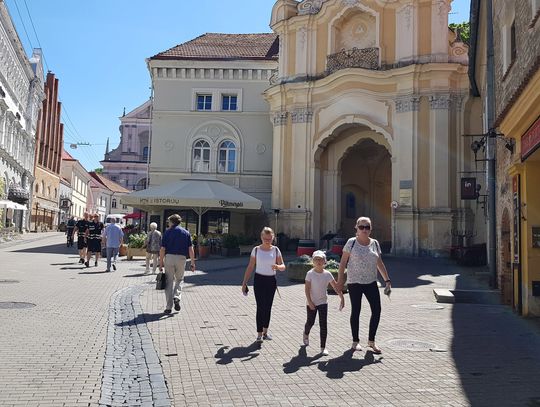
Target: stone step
(443, 295)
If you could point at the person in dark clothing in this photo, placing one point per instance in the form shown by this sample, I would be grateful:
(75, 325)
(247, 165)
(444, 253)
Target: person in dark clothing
(80, 231)
(93, 236)
(69, 231)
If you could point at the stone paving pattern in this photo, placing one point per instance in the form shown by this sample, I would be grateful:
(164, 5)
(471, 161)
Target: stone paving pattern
(55, 353)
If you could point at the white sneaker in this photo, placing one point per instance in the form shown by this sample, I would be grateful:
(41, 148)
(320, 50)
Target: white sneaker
(324, 352)
(356, 346)
(306, 340)
(259, 339)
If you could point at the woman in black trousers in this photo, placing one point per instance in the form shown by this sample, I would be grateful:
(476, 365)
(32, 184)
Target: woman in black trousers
(265, 259)
(362, 258)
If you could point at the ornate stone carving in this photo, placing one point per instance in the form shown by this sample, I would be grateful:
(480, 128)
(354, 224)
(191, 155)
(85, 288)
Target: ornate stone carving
(348, 3)
(407, 104)
(439, 102)
(359, 31)
(280, 118)
(310, 7)
(367, 58)
(302, 116)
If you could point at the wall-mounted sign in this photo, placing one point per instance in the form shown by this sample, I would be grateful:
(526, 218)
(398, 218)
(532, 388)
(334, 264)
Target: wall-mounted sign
(468, 188)
(530, 141)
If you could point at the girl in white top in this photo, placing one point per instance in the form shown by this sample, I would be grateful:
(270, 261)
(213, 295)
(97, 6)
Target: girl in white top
(265, 259)
(317, 280)
(362, 258)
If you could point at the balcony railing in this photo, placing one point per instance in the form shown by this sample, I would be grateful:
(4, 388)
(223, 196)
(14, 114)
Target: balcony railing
(367, 58)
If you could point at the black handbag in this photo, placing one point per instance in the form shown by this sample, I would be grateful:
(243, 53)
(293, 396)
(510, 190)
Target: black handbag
(161, 281)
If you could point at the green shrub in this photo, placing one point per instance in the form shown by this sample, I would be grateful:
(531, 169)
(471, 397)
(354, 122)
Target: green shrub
(136, 240)
(229, 241)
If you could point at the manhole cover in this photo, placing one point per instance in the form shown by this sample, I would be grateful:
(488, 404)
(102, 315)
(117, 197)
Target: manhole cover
(411, 344)
(9, 281)
(428, 306)
(16, 305)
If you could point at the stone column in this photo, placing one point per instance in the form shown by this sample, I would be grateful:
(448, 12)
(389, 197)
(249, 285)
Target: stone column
(279, 120)
(439, 30)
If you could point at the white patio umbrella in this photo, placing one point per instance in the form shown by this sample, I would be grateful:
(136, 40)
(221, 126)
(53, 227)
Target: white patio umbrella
(199, 194)
(5, 204)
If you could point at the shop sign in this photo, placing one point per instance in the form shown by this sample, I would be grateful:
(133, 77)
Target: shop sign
(468, 188)
(229, 204)
(530, 141)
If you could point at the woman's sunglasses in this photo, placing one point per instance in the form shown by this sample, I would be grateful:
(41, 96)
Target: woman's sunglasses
(363, 227)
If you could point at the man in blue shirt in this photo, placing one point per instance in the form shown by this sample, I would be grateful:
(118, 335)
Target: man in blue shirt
(175, 247)
(113, 239)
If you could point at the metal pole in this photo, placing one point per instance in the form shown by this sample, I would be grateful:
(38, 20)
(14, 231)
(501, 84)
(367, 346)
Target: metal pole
(491, 147)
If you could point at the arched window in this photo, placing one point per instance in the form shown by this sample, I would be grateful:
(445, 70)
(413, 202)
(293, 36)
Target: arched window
(201, 156)
(113, 203)
(37, 188)
(227, 157)
(42, 188)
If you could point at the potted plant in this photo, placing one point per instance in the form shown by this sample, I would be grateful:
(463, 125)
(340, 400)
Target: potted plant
(136, 245)
(245, 244)
(204, 248)
(229, 244)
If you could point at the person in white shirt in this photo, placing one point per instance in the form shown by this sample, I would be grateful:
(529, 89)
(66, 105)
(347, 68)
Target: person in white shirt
(265, 259)
(317, 280)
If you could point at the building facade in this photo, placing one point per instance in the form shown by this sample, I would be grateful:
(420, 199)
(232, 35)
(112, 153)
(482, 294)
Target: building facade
(49, 147)
(65, 202)
(21, 93)
(209, 118)
(517, 78)
(73, 171)
(127, 164)
(369, 106)
(105, 196)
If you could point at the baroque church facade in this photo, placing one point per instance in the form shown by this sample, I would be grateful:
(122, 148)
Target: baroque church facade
(368, 106)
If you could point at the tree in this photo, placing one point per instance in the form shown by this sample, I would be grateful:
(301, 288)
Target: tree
(463, 30)
(98, 170)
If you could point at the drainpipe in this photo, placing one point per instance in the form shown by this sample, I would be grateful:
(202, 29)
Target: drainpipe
(491, 148)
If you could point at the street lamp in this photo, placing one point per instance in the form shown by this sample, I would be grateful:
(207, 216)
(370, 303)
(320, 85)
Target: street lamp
(36, 219)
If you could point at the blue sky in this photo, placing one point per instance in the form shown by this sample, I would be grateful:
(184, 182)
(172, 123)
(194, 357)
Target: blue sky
(97, 49)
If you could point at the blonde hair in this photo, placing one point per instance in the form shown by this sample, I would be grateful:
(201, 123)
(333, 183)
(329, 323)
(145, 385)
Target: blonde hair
(267, 231)
(363, 219)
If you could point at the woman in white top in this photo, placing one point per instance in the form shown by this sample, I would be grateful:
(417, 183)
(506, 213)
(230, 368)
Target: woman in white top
(265, 259)
(362, 258)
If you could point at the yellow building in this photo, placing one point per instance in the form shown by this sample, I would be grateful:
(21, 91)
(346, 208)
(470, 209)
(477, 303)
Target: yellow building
(369, 105)
(517, 79)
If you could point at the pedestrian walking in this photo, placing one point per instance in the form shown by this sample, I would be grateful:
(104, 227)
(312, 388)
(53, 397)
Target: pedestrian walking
(70, 227)
(265, 259)
(317, 280)
(80, 231)
(175, 247)
(113, 239)
(362, 258)
(93, 236)
(153, 246)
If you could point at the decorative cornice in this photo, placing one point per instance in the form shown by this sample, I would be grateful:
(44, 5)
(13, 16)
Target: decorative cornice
(280, 118)
(309, 7)
(407, 104)
(437, 102)
(302, 116)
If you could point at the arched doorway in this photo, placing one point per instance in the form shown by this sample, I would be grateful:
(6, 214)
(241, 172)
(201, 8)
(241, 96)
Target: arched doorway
(366, 179)
(355, 174)
(507, 279)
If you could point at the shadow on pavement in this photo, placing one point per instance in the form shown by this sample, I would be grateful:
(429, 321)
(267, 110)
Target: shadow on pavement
(240, 352)
(145, 318)
(50, 249)
(63, 264)
(95, 272)
(336, 368)
(136, 275)
(72, 268)
(496, 353)
(300, 360)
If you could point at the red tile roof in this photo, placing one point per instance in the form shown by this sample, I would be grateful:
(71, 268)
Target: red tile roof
(225, 47)
(107, 183)
(67, 156)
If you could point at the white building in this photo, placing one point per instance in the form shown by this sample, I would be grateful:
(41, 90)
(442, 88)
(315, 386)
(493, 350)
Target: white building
(21, 93)
(72, 170)
(105, 196)
(127, 164)
(209, 117)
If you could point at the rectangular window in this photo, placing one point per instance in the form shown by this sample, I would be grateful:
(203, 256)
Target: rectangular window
(229, 102)
(204, 102)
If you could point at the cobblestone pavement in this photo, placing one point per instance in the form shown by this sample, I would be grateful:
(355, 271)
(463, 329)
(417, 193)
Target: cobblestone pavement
(97, 338)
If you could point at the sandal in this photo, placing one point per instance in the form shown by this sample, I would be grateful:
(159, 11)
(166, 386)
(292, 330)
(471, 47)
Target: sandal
(375, 349)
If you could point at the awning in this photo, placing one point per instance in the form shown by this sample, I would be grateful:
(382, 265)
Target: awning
(199, 194)
(6, 204)
(134, 215)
